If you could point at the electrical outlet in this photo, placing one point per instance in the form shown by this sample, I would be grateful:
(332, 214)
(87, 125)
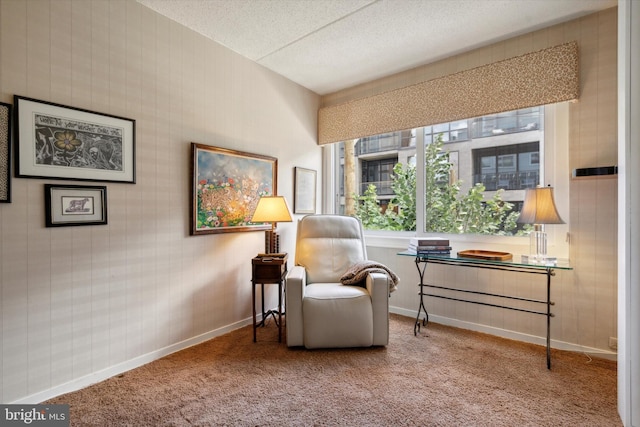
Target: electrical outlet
(613, 343)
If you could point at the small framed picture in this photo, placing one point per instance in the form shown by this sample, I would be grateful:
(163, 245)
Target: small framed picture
(57, 141)
(67, 205)
(304, 201)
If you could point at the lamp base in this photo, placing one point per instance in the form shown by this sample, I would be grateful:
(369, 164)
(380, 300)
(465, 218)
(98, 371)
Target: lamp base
(550, 261)
(538, 248)
(271, 242)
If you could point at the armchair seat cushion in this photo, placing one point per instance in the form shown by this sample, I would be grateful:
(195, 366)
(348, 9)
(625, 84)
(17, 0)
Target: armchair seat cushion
(334, 290)
(337, 315)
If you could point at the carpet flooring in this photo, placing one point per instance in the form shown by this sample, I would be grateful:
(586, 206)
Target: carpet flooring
(443, 377)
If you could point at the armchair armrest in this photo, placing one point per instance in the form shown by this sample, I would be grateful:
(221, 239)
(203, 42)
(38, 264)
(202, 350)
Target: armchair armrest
(296, 282)
(378, 287)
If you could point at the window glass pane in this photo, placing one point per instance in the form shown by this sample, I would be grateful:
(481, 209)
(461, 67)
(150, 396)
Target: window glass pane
(524, 120)
(483, 126)
(529, 161)
(507, 163)
(460, 124)
(459, 135)
(474, 172)
(507, 124)
(441, 128)
(408, 138)
(529, 121)
(488, 164)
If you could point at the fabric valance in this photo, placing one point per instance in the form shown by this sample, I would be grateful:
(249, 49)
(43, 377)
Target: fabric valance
(543, 77)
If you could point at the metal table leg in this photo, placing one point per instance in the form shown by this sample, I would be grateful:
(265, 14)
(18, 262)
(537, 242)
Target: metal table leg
(421, 307)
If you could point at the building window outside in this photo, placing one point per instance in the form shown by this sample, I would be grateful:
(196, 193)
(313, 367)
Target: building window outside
(378, 173)
(508, 167)
(408, 138)
(524, 120)
(378, 143)
(449, 132)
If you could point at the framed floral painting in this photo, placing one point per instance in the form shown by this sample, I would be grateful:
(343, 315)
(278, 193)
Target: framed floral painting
(226, 186)
(56, 141)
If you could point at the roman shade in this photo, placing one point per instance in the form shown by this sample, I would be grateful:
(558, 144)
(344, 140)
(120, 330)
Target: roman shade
(543, 77)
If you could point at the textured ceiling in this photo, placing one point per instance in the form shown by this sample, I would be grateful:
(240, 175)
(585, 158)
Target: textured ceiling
(328, 45)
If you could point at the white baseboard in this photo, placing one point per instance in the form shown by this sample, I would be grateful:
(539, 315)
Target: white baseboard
(136, 362)
(112, 371)
(505, 333)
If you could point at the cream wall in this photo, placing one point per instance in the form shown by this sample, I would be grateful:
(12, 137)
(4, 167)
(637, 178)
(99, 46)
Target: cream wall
(586, 309)
(82, 303)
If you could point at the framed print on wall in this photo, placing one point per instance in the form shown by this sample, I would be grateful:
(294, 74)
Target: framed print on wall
(56, 141)
(304, 200)
(5, 153)
(226, 186)
(67, 205)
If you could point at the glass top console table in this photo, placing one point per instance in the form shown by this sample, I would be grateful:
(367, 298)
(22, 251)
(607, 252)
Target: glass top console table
(422, 261)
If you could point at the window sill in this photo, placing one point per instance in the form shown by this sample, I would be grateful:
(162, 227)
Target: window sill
(400, 241)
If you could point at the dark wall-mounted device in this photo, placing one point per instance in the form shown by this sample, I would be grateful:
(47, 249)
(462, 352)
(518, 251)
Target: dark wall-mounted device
(604, 170)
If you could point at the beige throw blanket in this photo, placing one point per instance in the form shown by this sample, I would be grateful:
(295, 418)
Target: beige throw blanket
(359, 271)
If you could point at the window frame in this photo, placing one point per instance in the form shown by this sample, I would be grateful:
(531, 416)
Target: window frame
(554, 171)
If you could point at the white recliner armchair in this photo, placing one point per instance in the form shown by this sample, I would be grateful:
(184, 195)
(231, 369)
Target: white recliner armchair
(321, 311)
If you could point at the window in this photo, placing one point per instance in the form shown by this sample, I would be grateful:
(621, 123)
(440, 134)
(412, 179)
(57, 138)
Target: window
(378, 143)
(378, 173)
(471, 181)
(448, 132)
(524, 120)
(508, 167)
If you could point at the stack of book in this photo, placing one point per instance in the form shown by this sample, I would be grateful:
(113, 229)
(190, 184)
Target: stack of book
(429, 246)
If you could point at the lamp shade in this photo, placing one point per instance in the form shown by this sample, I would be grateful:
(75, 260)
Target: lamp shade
(539, 207)
(272, 209)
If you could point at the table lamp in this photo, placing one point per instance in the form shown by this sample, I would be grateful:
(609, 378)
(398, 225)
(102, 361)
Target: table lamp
(272, 209)
(539, 209)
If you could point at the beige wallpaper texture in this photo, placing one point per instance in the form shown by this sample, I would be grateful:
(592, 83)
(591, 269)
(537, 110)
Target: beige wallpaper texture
(81, 303)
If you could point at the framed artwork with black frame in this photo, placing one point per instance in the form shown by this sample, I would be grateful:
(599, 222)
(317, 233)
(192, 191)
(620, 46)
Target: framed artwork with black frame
(226, 187)
(67, 205)
(57, 141)
(304, 200)
(5, 152)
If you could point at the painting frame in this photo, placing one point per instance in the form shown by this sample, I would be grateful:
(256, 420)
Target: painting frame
(5, 152)
(62, 142)
(73, 205)
(304, 193)
(226, 185)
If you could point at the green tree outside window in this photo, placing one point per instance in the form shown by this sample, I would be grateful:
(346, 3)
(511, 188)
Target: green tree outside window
(447, 210)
